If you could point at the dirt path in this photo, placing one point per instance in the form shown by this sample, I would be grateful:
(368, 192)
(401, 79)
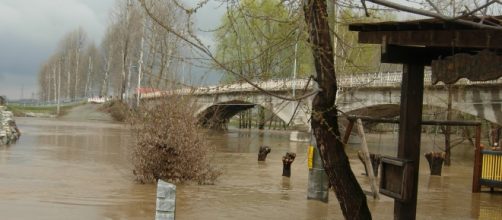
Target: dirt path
(87, 112)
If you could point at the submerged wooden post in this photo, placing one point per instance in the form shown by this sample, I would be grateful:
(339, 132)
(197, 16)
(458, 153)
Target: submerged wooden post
(166, 201)
(367, 160)
(375, 161)
(410, 131)
(287, 160)
(478, 160)
(435, 160)
(263, 152)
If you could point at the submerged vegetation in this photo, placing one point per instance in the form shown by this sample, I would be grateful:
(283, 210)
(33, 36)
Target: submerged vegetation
(169, 145)
(117, 109)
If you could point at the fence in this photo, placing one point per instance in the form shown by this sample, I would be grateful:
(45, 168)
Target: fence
(491, 168)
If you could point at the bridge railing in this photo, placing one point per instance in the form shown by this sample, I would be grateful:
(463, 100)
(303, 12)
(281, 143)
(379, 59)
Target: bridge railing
(373, 80)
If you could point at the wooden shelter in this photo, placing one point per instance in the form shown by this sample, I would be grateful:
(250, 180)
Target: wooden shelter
(453, 51)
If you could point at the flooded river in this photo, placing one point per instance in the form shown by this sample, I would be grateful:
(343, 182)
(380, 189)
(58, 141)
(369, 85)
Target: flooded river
(81, 170)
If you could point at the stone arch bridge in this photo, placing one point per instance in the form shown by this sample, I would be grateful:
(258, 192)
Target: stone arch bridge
(373, 94)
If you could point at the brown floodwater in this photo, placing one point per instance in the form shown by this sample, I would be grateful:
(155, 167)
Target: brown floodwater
(82, 170)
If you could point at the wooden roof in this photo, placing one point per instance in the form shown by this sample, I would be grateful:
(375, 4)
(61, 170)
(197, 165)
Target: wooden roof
(454, 50)
(432, 33)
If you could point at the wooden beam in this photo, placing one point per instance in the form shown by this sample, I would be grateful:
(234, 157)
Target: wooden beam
(478, 161)
(476, 38)
(391, 53)
(410, 131)
(367, 160)
(424, 122)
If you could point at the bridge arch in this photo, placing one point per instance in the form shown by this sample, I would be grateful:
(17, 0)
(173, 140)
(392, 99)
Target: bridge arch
(217, 115)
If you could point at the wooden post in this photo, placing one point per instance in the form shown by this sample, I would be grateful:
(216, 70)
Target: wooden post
(367, 160)
(410, 130)
(478, 160)
(348, 130)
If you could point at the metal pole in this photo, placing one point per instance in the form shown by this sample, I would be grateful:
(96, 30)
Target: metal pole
(318, 184)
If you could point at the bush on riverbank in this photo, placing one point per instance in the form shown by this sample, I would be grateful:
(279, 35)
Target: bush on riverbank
(169, 145)
(117, 109)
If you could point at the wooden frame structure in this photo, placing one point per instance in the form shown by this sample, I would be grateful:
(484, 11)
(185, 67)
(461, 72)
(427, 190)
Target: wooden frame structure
(436, 43)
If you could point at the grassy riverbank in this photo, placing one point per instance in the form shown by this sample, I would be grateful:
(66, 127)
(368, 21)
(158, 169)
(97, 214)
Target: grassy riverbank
(39, 111)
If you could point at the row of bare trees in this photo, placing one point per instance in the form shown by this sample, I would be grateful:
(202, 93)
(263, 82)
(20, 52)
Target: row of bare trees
(134, 52)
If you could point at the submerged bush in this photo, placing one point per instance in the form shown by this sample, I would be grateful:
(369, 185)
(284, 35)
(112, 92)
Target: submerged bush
(117, 109)
(169, 145)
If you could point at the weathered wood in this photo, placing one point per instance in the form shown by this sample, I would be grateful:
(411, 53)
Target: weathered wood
(435, 160)
(375, 161)
(287, 160)
(367, 160)
(411, 54)
(478, 161)
(263, 152)
(436, 38)
(424, 122)
(410, 131)
(482, 66)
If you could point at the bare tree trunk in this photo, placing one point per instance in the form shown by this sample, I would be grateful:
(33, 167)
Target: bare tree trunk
(77, 57)
(324, 116)
(88, 82)
(104, 88)
(68, 83)
(55, 83)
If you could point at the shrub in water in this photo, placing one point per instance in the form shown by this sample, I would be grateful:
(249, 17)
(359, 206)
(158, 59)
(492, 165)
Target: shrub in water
(169, 145)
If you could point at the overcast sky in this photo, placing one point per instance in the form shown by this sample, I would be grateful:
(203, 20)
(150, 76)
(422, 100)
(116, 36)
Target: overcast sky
(31, 30)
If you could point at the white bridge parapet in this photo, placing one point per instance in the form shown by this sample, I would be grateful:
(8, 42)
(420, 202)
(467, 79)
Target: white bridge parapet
(371, 80)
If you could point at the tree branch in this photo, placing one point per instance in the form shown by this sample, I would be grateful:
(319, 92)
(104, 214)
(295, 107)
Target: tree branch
(207, 52)
(436, 15)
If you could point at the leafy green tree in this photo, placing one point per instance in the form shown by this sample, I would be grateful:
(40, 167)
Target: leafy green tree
(258, 39)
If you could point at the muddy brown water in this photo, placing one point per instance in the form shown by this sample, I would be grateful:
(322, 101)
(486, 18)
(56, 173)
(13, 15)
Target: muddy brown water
(81, 170)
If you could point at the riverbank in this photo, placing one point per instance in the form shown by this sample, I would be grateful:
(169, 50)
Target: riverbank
(39, 111)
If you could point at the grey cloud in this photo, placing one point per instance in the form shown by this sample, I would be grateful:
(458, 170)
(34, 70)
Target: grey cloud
(31, 30)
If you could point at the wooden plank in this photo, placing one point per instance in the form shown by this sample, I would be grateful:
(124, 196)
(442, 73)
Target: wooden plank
(482, 66)
(437, 38)
(367, 160)
(410, 130)
(424, 122)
